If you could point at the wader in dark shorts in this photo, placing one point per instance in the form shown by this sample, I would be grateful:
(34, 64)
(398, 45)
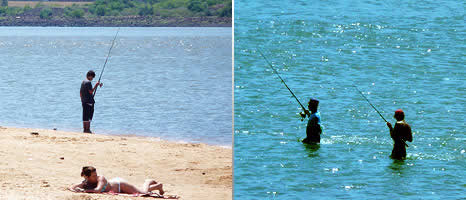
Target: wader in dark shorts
(313, 129)
(400, 134)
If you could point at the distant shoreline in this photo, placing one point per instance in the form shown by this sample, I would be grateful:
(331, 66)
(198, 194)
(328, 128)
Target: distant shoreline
(119, 21)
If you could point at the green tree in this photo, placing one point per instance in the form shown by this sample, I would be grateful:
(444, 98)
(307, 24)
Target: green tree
(4, 2)
(46, 13)
(100, 10)
(146, 10)
(226, 11)
(27, 7)
(171, 4)
(13, 11)
(215, 2)
(3, 10)
(115, 5)
(77, 13)
(197, 6)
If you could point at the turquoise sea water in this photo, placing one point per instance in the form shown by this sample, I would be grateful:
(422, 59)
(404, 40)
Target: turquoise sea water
(401, 54)
(173, 83)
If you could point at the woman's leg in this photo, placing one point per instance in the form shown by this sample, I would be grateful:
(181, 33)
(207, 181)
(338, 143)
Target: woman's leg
(150, 185)
(158, 187)
(129, 189)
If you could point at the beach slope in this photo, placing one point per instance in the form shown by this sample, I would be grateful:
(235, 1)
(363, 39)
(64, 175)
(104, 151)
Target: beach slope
(43, 165)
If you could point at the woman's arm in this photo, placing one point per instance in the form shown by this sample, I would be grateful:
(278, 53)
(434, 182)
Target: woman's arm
(77, 188)
(101, 181)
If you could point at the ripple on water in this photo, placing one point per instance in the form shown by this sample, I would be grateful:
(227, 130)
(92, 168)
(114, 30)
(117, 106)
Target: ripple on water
(145, 91)
(412, 62)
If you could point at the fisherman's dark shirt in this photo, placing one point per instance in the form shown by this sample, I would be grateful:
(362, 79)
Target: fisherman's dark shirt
(86, 97)
(313, 129)
(400, 134)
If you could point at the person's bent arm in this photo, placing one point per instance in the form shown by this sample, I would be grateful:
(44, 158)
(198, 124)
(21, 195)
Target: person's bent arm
(98, 189)
(95, 86)
(391, 129)
(77, 188)
(304, 114)
(389, 126)
(409, 134)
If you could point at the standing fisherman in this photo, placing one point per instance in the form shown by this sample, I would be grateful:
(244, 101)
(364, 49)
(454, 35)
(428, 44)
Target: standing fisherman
(400, 134)
(88, 92)
(87, 100)
(313, 129)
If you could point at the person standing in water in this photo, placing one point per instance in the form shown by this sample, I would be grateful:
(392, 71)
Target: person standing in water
(313, 129)
(87, 100)
(400, 134)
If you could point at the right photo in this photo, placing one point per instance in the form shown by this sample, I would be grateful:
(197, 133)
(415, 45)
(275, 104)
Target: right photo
(349, 100)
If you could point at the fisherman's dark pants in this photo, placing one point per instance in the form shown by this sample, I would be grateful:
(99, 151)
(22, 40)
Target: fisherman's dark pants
(313, 134)
(399, 151)
(88, 112)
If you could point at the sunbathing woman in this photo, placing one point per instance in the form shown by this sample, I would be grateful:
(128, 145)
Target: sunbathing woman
(99, 184)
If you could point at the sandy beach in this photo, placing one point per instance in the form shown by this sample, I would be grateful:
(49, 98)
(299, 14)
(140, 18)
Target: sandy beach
(42, 166)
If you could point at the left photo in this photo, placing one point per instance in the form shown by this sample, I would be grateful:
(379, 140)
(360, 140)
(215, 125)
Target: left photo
(116, 100)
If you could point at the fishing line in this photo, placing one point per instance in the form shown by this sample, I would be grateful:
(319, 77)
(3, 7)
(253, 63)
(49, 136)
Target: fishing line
(370, 103)
(108, 55)
(278, 74)
(375, 109)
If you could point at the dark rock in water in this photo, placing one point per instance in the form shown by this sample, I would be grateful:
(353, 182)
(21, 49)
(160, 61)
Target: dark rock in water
(34, 133)
(54, 129)
(62, 158)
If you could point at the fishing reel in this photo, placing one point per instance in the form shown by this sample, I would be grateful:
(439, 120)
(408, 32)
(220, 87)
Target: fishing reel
(303, 115)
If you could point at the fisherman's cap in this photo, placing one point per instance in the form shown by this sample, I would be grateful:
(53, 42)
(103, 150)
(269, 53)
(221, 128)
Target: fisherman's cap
(313, 101)
(399, 112)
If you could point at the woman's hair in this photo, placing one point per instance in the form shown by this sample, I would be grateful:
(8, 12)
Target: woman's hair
(87, 171)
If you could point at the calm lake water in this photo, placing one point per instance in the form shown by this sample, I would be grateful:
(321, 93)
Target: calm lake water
(408, 55)
(172, 83)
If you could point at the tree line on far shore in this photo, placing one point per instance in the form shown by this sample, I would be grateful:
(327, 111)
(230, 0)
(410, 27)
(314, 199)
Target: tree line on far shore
(99, 8)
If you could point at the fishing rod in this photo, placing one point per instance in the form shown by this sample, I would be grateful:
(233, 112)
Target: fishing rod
(278, 74)
(375, 109)
(370, 103)
(108, 55)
